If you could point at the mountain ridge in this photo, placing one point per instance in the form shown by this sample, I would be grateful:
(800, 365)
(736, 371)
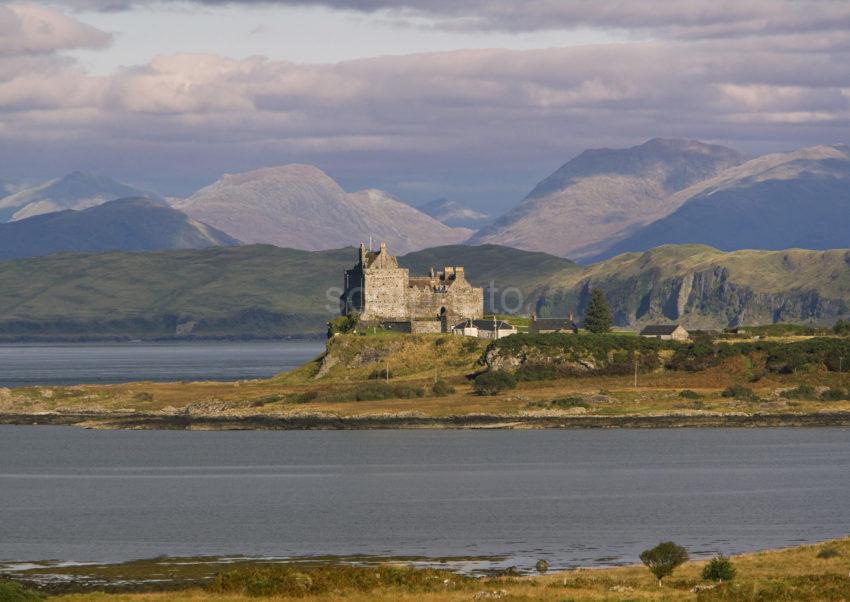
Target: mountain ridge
(132, 224)
(76, 190)
(601, 193)
(453, 214)
(300, 206)
(795, 199)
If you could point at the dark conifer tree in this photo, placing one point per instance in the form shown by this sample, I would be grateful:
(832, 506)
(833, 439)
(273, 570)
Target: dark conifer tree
(598, 317)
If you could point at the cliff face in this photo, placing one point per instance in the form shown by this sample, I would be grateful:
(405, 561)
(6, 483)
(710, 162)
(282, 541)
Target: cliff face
(704, 288)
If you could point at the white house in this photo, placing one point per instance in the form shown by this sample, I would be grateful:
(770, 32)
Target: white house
(666, 332)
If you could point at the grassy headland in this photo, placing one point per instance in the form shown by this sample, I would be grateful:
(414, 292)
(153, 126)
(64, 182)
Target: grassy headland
(805, 573)
(396, 380)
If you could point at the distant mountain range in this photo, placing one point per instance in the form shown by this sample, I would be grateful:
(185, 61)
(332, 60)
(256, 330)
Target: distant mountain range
(597, 205)
(77, 190)
(799, 199)
(265, 291)
(455, 215)
(135, 224)
(300, 206)
(603, 193)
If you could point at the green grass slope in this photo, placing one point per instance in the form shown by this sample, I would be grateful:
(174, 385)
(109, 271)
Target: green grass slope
(266, 291)
(250, 291)
(706, 288)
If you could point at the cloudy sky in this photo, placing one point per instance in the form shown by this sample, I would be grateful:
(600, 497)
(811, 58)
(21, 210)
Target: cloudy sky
(472, 99)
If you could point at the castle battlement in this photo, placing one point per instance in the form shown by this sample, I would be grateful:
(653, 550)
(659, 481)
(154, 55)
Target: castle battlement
(378, 290)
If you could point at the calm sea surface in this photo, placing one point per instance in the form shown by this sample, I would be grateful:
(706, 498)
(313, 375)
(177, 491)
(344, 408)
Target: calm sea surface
(572, 497)
(76, 363)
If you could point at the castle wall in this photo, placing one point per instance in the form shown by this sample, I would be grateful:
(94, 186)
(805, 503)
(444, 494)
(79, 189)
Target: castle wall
(385, 294)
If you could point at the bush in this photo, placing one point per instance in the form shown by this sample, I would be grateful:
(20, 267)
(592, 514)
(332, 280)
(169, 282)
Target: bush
(258, 402)
(828, 552)
(688, 394)
(833, 395)
(441, 388)
(569, 402)
(380, 374)
(15, 592)
(663, 559)
(469, 345)
(380, 391)
(740, 392)
(494, 382)
(542, 566)
(143, 396)
(719, 568)
(288, 580)
(842, 327)
(342, 325)
(305, 397)
(802, 392)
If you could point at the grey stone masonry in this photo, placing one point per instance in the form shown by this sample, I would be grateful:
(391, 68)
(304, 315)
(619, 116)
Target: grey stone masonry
(380, 291)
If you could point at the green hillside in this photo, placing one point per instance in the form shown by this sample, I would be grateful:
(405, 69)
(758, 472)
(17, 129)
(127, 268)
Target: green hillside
(266, 291)
(250, 291)
(706, 288)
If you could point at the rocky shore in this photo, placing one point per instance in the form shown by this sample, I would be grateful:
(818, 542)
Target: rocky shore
(144, 421)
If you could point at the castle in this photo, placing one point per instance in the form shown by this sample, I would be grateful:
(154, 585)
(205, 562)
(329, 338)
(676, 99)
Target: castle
(379, 291)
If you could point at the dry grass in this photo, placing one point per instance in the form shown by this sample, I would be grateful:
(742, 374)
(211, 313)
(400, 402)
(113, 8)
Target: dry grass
(327, 388)
(792, 574)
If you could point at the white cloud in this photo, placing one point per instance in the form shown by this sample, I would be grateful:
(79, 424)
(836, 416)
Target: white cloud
(461, 116)
(28, 29)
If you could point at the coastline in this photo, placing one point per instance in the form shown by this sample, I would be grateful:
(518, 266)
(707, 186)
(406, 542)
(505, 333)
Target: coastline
(811, 571)
(152, 421)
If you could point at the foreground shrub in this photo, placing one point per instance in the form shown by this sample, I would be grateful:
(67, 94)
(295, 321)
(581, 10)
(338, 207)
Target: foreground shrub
(719, 568)
(469, 345)
(15, 592)
(283, 580)
(494, 382)
(740, 392)
(441, 388)
(688, 394)
(569, 402)
(828, 552)
(342, 325)
(379, 391)
(802, 392)
(663, 559)
(305, 397)
(380, 374)
(834, 395)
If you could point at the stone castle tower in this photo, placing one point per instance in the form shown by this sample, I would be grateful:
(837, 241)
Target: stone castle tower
(380, 291)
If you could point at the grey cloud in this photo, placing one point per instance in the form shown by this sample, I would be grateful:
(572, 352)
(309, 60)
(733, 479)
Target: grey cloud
(465, 120)
(680, 19)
